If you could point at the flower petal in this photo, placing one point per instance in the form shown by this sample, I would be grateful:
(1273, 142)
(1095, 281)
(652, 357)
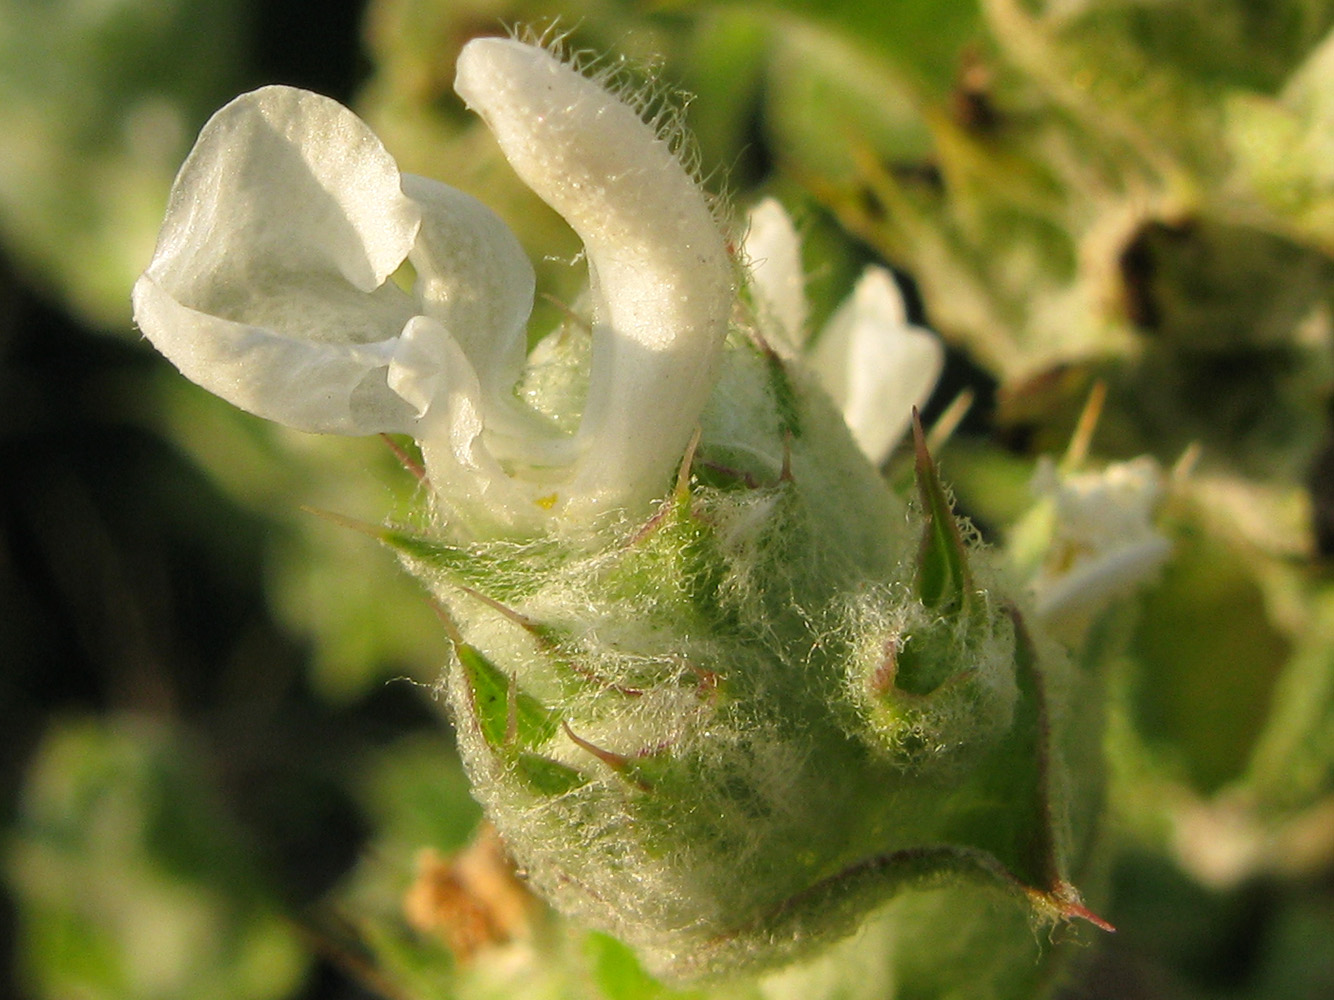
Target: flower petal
(1104, 541)
(326, 388)
(268, 284)
(1070, 600)
(279, 154)
(777, 280)
(659, 269)
(475, 279)
(431, 371)
(876, 366)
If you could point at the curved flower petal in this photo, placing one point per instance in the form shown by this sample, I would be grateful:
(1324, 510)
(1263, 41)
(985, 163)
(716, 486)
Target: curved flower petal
(326, 388)
(279, 154)
(875, 365)
(1073, 598)
(268, 284)
(1104, 540)
(475, 279)
(777, 280)
(659, 269)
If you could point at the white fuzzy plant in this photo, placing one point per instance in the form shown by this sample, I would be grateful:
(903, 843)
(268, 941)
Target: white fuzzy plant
(722, 692)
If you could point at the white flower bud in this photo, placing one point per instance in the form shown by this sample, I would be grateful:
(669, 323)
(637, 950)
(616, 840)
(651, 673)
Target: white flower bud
(874, 364)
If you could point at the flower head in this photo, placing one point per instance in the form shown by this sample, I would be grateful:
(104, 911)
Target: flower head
(270, 286)
(651, 714)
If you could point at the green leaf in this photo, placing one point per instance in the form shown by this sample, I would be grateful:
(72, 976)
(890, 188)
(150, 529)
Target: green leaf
(618, 974)
(457, 562)
(546, 776)
(923, 37)
(1203, 692)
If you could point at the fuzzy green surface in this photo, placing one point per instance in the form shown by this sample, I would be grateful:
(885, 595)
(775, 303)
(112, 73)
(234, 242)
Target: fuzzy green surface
(704, 734)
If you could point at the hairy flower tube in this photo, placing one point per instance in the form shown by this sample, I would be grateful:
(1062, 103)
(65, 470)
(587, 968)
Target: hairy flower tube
(721, 691)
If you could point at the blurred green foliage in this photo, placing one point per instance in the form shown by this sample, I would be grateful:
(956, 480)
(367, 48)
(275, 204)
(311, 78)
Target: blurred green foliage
(100, 104)
(1140, 194)
(132, 881)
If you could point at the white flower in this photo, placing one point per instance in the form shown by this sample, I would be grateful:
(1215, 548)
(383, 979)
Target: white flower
(872, 362)
(270, 286)
(1103, 539)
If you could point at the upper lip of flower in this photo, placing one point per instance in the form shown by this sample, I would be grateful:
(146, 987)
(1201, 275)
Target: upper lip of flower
(270, 287)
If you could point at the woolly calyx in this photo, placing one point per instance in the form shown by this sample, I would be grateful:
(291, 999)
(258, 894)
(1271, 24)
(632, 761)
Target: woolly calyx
(935, 672)
(689, 738)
